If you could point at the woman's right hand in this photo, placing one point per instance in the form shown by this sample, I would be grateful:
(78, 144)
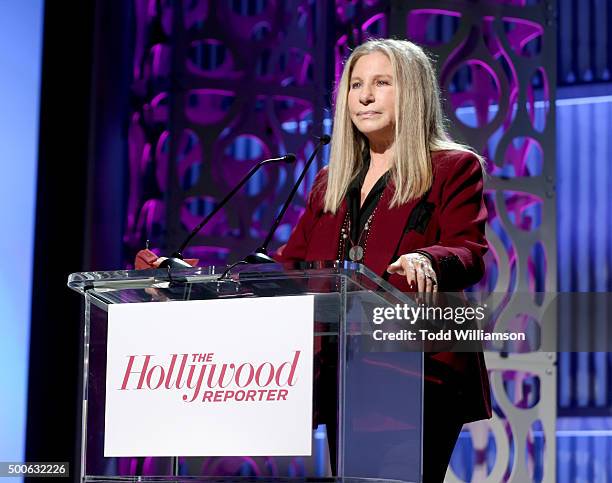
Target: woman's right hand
(146, 259)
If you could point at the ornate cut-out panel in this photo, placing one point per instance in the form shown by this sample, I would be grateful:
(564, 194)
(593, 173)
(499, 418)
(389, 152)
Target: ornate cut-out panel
(219, 86)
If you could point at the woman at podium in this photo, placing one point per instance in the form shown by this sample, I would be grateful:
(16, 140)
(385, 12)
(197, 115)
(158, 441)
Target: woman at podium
(404, 200)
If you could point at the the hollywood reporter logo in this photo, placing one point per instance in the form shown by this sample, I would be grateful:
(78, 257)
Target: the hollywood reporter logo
(198, 376)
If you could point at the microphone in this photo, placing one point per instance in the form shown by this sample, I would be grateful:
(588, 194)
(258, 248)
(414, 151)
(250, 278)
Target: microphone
(260, 255)
(176, 259)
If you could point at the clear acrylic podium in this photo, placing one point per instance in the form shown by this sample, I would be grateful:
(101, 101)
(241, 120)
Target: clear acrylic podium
(367, 399)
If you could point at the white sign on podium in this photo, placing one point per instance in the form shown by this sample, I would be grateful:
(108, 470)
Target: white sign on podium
(210, 378)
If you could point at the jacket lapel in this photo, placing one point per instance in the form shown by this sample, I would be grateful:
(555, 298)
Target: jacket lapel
(386, 231)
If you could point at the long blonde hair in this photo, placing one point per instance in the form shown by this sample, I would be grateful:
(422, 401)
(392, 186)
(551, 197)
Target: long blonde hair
(419, 125)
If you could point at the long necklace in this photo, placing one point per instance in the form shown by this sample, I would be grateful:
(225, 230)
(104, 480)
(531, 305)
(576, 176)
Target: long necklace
(357, 250)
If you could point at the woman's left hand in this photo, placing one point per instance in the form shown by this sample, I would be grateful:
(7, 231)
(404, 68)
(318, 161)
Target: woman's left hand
(418, 271)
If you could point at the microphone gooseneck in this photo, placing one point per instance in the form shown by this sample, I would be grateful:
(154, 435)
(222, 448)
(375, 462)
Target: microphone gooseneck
(176, 259)
(260, 255)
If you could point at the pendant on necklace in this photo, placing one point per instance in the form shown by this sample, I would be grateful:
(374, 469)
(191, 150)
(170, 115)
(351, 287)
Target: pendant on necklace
(356, 253)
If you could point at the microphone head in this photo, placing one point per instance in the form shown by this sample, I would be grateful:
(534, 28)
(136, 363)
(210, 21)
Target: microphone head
(289, 158)
(325, 139)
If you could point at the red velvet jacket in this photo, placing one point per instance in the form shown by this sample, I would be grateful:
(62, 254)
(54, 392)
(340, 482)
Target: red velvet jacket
(450, 230)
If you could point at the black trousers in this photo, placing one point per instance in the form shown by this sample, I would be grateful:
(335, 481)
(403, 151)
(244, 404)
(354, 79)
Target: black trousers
(441, 428)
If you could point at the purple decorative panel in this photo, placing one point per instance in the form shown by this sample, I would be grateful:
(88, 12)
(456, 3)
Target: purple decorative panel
(355, 22)
(219, 86)
(495, 69)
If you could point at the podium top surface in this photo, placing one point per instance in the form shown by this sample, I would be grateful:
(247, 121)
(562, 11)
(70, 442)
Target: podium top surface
(129, 286)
